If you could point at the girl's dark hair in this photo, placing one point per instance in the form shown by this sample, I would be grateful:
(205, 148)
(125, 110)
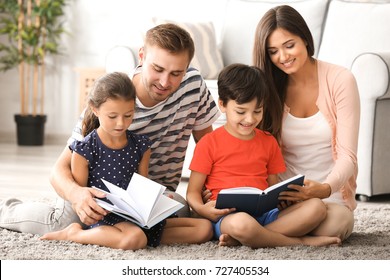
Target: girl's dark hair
(243, 83)
(289, 19)
(114, 85)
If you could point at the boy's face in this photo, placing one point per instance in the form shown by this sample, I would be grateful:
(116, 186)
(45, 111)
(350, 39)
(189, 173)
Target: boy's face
(162, 73)
(242, 119)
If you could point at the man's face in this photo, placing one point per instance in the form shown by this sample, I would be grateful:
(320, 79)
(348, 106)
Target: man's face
(162, 73)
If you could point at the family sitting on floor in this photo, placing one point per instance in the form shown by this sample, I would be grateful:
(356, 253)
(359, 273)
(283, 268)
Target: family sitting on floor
(281, 120)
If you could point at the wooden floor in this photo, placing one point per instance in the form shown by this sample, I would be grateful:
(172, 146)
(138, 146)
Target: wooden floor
(25, 170)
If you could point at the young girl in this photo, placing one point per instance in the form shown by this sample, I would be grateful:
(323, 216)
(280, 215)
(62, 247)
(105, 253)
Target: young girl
(239, 154)
(111, 152)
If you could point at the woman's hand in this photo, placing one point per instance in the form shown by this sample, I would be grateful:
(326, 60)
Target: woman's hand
(311, 189)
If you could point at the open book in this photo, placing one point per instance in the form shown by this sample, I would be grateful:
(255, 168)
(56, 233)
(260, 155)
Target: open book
(255, 201)
(143, 203)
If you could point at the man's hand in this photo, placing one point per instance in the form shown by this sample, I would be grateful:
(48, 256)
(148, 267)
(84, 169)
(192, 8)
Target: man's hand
(85, 206)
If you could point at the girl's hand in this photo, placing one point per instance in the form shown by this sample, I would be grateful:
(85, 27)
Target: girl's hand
(311, 189)
(209, 211)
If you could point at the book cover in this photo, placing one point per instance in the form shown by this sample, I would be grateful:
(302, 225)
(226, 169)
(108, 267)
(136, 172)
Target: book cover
(142, 203)
(255, 201)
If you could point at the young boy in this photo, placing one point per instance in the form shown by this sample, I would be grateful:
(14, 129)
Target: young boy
(240, 154)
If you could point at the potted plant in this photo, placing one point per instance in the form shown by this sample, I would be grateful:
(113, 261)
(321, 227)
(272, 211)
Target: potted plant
(33, 29)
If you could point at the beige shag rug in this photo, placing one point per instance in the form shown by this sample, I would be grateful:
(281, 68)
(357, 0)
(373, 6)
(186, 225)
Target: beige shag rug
(369, 241)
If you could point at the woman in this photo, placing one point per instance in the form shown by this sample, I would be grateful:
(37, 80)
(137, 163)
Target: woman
(320, 123)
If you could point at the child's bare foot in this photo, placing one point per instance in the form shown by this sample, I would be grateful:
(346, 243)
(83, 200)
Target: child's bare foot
(320, 240)
(62, 234)
(227, 240)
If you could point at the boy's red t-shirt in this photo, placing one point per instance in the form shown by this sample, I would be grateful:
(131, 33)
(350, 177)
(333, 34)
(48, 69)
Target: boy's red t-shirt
(230, 162)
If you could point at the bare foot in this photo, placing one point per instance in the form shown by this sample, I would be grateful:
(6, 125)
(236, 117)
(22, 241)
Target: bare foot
(227, 240)
(320, 240)
(62, 234)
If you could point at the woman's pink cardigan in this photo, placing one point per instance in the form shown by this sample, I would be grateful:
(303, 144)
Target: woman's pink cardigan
(338, 100)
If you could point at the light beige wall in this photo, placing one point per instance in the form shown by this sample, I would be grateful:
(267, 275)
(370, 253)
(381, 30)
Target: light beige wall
(95, 26)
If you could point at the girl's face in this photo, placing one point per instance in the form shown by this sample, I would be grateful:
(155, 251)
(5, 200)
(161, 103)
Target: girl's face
(287, 51)
(242, 119)
(115, 116)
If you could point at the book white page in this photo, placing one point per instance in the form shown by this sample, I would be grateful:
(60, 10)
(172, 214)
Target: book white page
(121, 200)
(145, 193)
(251, 190)
(246, 190)
(117, 192)
(164, 207)
(143, 202)
(282, 183)
(118, 211)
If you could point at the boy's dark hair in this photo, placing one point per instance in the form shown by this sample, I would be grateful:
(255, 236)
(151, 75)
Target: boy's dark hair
(114, 85)
(243, 83)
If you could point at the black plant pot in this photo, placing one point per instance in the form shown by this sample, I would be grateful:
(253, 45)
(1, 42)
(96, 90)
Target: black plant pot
(30, 130)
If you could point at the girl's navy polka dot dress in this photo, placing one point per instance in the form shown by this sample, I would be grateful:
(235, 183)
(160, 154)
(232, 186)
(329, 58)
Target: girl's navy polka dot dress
(116, 166)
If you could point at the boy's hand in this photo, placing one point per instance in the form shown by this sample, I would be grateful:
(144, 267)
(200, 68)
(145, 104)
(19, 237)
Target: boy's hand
(284, 204)
(213, 214)
(206, 194)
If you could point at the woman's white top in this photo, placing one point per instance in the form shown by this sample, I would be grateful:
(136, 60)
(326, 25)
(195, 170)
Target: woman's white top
(306, 146)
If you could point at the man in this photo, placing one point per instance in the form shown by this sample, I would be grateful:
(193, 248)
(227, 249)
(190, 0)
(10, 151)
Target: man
(172, 103)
